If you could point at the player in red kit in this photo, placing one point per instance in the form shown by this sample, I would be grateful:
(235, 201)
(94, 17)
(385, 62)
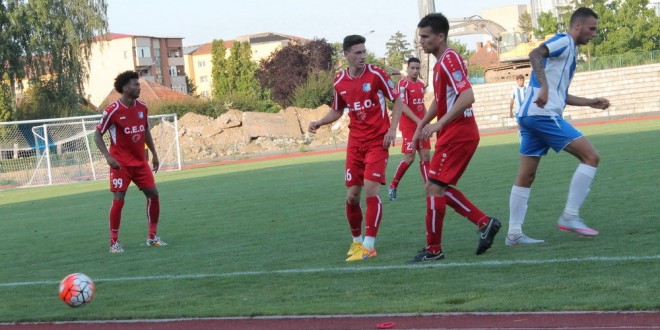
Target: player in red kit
(126, 121)
(412, 94)
(362, 89)
(457, 140)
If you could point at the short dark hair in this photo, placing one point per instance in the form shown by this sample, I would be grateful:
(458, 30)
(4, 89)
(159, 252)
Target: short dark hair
(414, 59)
(123, 79)
(581, 13)
(437, 21)
(352, 40)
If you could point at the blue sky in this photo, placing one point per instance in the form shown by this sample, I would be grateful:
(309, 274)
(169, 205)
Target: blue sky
(201, 21)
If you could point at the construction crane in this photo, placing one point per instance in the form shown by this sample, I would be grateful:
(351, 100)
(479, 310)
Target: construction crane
(512, 47)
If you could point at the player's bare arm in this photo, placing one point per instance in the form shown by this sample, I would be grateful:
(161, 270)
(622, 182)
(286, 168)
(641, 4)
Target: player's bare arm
(155, 162)
(330, 117)
(409, 113)
(98, 139)
(463, 102)
(536, 58)
(397, 109)
(597, 103)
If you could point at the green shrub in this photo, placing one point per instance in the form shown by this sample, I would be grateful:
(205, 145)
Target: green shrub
(200, 107)
(249, 102)
(316, 91)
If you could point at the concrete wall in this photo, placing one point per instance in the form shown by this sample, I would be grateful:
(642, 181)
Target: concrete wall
(632, 91)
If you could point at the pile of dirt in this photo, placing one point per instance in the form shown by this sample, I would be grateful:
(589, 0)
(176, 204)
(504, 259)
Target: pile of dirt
(236, 133)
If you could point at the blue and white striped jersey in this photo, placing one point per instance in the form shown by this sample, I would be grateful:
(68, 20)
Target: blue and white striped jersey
(559, 71)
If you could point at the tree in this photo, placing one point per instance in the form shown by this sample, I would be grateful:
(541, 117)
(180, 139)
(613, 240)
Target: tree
(460, 48)
(190, 86)
(398, 50)
(220, 80)
(625, 26)
(547, 24)
(289, 67)
(525, 25)
(49, 42)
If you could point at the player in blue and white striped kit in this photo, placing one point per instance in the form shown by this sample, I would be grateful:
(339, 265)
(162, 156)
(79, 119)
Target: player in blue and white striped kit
(542, 127)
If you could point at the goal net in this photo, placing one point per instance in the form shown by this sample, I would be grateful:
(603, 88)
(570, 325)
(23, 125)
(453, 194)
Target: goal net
(54, 151)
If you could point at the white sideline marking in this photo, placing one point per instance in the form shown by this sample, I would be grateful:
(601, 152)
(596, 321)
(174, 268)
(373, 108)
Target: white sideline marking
(494, 263)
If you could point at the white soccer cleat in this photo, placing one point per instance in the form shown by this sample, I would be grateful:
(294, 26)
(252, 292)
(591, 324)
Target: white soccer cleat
(520, 239)
(577, 226)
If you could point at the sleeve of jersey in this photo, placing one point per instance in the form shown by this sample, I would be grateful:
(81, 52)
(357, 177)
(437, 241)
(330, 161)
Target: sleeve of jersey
(557, 44)
(105, 121)
(455, 70)
(337, 102)
(388, 88)
(402, 91)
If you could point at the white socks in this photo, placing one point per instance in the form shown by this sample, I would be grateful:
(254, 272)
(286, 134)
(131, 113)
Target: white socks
(518, 208)
(579, 189)
(358, 239)
(369, 242)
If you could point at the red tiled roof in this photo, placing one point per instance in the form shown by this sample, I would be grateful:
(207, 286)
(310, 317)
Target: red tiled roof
(150, 93)
(206, 48)
(111, 36)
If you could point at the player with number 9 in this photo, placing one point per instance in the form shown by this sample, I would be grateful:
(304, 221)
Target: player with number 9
(127, 122)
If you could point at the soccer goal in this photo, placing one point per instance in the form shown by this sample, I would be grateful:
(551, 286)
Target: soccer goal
(62, 150)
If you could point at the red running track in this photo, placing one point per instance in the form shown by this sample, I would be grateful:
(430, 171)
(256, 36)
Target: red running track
(550, 320)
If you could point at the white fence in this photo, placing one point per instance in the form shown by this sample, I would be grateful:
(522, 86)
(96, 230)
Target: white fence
(62, 150)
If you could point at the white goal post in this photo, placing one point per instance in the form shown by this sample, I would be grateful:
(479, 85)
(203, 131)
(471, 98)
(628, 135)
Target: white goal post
(62, 150)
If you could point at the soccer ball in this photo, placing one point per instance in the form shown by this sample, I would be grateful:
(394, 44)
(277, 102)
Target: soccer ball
(76, 290)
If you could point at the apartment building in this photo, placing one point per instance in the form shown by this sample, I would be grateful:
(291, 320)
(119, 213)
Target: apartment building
(157, 59)
(198, 63)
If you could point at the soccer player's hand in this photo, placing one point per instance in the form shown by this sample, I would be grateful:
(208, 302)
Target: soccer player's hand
(428, 130)
(112, 162)
(416, 136)
(313, 126)
(389, 138)
(155, 162)
(542, 99)
(601, 103)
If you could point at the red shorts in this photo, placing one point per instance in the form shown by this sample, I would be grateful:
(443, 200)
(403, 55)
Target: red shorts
(365, 163)
(407, 146)
(449, 161)
(141, 175)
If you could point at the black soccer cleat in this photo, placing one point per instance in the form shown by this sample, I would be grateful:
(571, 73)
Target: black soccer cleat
(425, 255)
(487, 235)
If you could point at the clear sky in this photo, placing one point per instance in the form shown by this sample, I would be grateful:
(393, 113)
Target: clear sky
(201, 21)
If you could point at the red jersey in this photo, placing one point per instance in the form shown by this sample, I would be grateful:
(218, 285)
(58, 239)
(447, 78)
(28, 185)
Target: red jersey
(127, 126)
(449, 80)
(364, 96)
(412, 93)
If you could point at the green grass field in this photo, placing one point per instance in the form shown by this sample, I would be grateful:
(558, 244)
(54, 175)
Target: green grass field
(269, 238)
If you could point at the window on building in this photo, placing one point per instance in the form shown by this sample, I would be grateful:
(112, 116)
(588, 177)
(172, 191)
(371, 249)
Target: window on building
(205, 94)
(142, 52)
(203, 79)
(173, 71)
(201, 64)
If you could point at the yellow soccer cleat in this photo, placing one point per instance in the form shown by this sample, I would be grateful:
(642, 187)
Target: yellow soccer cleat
(355, 247)
(362, 254)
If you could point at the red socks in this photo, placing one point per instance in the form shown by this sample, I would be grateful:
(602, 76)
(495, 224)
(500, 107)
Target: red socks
(374, 215)
(153, 212)
(354, 216)
(435, 214)
(115, 219)
(457, 201)
(400, 171)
